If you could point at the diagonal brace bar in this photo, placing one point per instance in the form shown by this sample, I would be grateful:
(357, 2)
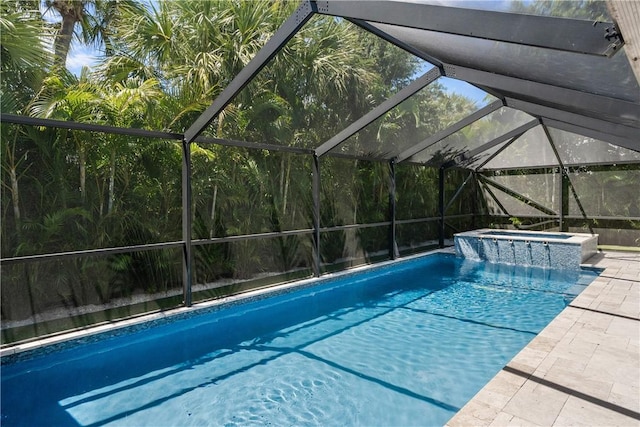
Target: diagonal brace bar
(380, 110)
(518, 196)
(564, 172)
(437, 137)
(496, 154)
(486, 188)
(515, 133)
(455, 196)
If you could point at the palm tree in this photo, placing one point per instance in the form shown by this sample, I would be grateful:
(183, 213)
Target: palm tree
(125, 104)
(67, 97)
(95, 19)
(23, 61)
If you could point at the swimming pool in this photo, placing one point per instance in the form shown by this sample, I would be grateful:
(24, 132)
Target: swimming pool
(403, 344)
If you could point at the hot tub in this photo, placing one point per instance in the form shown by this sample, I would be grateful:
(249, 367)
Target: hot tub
(528, 248)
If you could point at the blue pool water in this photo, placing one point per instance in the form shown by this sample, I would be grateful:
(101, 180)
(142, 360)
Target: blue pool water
(406, 344)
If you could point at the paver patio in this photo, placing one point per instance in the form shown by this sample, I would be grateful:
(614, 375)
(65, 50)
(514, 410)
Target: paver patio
(583, 369)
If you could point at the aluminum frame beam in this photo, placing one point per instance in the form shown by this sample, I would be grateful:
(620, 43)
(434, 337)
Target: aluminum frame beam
(143, 133)
(486, 188)
(243, 237)
(618, 134)
(514, 133)
(569, 127)
(393, 247)
(565, 184)
(494, 155)
(91, 252)
(564, 34)
(458, 192)
(253, 145)
(315, 189)
(415, 86)
(354, 226)
(287, 30)
(439, 136)
(397, 42)
(429, 219)
(187, 218)
(89, 127)
(586, 104)
(520, 197)
(441, 209)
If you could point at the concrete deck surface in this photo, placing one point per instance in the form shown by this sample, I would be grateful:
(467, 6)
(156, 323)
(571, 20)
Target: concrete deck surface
(583, 369)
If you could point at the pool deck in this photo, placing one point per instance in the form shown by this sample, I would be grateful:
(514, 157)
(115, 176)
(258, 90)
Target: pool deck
(583, 369)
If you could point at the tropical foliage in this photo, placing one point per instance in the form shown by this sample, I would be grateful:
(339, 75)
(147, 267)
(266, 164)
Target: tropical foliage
(162, 64)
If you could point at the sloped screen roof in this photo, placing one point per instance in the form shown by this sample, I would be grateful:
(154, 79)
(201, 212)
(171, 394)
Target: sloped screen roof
(560, 76)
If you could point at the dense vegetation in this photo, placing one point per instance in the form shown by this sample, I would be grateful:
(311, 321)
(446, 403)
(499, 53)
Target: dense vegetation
(162, 64)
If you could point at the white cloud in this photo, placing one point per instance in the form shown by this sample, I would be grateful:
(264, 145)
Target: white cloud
(80, 57)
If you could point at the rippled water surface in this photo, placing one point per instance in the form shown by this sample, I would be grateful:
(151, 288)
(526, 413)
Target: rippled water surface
(401, 345)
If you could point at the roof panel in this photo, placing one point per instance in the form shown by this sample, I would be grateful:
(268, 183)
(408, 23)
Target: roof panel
(511, 205)
(472, 136)
(485, 156)
(593, 10)
(576, 149)
(292, 101)
(432, 109)
(611, 77)
(530, 150)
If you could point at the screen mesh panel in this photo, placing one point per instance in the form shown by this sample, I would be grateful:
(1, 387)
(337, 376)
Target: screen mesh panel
(232, 267)
(532, 149)
(256, 192)
(479, 160)
(576, 149)
(79, 190)
(472, 136)
(40, 298)
(513, 205)
(353, 192)
(432, 109)
(606, 193)
(327, 76)
(542, 188)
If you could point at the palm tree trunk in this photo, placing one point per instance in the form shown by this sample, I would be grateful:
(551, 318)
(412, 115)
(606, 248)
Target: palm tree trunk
(71, 12)
(15, 190)
(82, 159)
(100, 186)
(15, 196)
(213, 212)
(112, 178)
(286, 187)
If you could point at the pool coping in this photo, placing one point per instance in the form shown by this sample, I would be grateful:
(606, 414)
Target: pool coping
(582, 369)
(492, 233)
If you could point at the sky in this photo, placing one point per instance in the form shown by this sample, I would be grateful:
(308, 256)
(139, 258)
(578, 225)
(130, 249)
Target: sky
(81, 55)
(463, 88)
